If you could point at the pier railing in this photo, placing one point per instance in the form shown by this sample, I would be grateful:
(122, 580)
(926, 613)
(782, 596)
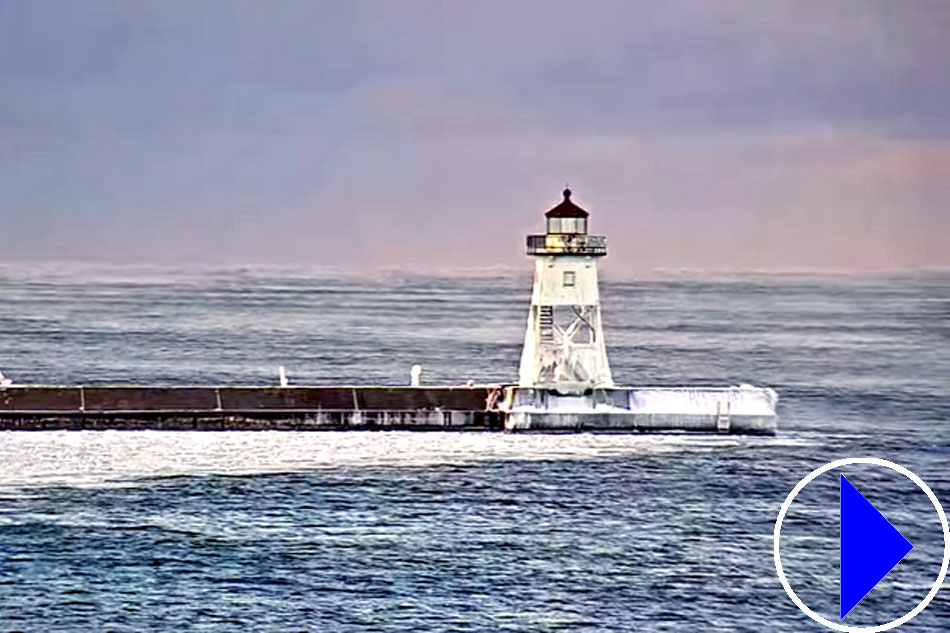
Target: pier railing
(567, 244)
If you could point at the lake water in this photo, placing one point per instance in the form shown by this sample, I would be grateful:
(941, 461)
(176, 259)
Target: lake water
(463, 532)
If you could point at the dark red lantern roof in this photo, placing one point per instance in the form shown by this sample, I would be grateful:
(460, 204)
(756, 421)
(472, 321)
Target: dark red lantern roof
(567, 209)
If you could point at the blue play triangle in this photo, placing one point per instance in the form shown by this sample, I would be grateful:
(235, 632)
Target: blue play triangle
(870, 547)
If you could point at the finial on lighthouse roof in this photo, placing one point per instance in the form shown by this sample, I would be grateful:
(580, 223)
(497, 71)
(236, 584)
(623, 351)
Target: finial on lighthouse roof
(567, 209)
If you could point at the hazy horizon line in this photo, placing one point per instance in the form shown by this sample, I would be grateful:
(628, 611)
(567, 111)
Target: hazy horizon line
(355, 270)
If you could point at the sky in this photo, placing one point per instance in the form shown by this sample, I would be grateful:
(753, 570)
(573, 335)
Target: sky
(700, 135)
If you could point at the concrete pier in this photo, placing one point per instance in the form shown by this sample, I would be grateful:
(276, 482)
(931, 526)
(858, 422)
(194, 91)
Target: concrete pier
(248, 408)
(735, 410)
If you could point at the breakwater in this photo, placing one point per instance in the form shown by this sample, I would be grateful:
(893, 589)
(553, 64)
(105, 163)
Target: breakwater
(736, 410)
(248, 408)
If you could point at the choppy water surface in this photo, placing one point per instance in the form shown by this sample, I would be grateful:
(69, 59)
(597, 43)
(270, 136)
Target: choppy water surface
(461, 532)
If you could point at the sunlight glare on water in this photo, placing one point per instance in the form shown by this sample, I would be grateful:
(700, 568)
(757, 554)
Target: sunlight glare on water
(90, 458)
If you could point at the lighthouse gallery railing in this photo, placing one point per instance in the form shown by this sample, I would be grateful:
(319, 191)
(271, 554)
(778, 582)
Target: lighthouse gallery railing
(567, 244)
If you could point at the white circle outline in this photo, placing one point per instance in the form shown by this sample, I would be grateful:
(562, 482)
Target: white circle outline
(876, 462)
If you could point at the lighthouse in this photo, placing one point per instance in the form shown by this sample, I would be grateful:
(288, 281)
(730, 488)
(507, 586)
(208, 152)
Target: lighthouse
(564, 382)
(564, 341)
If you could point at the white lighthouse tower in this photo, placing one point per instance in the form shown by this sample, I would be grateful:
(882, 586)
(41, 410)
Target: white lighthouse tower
(564, 343)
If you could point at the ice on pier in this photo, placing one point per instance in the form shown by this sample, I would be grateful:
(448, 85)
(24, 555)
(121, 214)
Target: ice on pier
(742, 400)
(744, 409)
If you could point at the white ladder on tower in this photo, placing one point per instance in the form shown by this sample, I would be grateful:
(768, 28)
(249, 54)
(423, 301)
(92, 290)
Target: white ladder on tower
(546, 322)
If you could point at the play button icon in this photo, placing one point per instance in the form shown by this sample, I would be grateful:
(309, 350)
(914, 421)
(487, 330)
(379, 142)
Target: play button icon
(870, 546)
